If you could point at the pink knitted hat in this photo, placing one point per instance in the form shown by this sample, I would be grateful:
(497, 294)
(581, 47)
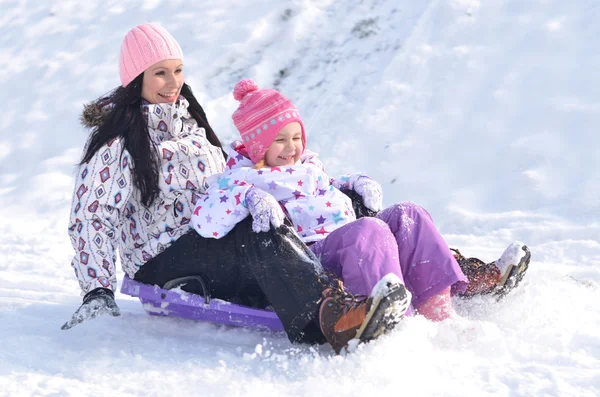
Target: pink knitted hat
(260, 117)
(142, 47)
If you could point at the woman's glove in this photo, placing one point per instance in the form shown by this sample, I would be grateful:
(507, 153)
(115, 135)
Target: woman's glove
(370, 191)
(96, 302)
(265, 210)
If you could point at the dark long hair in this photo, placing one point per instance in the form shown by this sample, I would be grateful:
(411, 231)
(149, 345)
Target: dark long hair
(126, 120)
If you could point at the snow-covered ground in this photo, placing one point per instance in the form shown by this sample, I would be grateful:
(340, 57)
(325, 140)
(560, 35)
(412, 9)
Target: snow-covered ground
(485, 112)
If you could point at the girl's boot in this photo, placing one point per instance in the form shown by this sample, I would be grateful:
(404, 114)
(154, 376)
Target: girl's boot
(344, 317)
(498, 277)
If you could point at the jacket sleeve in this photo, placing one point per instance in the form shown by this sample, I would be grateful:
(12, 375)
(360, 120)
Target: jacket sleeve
(343, 182)
(221, 208)
(346, 181)
(102, 188)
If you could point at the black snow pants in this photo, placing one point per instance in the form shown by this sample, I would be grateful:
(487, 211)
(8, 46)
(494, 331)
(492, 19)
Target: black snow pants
(256, 269)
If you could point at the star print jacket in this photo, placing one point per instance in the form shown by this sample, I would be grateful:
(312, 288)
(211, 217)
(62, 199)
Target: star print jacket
(308, 196)
(107, 213)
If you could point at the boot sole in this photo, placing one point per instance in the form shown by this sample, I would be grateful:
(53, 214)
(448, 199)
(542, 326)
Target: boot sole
(387, 311)
(514, 274)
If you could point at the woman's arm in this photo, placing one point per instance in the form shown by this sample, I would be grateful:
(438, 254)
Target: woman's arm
(221, 207)
(103, 186)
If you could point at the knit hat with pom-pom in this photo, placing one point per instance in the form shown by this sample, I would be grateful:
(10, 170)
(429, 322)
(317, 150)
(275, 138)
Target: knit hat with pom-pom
(260, 117)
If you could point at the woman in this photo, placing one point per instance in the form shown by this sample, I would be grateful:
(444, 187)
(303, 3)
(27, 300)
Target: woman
(143, 169)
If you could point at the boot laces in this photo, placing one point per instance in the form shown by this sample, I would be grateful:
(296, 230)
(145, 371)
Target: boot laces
(470, 266)
(346, 301)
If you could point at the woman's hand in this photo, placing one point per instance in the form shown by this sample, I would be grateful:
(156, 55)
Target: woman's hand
(96, 302)
(265, 210)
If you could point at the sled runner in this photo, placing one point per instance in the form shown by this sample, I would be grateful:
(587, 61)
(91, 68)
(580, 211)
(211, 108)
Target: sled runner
(172, 301)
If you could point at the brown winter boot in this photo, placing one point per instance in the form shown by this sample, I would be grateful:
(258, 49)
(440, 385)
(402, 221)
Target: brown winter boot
(498, 277)
(344, 317)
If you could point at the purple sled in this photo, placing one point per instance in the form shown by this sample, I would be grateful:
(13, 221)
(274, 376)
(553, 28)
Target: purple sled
(175, 302)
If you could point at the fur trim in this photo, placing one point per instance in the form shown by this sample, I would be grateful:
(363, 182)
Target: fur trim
(94, 112)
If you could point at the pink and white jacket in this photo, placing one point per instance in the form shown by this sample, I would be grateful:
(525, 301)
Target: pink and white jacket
(107, 213)
(305, 192)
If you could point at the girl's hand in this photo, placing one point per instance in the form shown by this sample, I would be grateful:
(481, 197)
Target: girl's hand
(265, 210)
(370, 191)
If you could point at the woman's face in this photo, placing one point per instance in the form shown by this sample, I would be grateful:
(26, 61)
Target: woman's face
(287, 147)
(163, 81)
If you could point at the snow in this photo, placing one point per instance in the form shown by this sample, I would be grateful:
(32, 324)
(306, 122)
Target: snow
(484, 112)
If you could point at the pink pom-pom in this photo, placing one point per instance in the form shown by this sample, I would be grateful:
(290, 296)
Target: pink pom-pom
(243, 87)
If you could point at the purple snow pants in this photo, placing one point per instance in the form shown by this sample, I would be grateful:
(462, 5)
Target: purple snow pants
(403, 240)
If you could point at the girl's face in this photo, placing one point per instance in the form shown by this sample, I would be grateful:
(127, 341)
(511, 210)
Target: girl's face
(163, 81)
(287, 147)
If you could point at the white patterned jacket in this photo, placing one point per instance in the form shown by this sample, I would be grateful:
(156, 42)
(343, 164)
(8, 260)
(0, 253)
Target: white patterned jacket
(107, 213)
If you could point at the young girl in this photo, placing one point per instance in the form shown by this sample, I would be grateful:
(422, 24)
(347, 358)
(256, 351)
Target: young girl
(271, 175)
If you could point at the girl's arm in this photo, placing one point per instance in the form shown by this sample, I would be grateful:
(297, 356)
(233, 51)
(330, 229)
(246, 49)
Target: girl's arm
(369, 190)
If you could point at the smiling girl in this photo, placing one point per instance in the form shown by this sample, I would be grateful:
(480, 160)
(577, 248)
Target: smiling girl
(270, 170)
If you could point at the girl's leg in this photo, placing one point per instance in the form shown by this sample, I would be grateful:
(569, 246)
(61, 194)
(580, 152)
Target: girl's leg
(438, 307)
(360, 253)
(427, 263)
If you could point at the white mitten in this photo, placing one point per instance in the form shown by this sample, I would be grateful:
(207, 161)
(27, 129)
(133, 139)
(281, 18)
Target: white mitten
(265, 210)
(371, 193)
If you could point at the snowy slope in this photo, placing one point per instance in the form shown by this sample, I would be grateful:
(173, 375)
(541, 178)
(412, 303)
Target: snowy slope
(485, 112)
